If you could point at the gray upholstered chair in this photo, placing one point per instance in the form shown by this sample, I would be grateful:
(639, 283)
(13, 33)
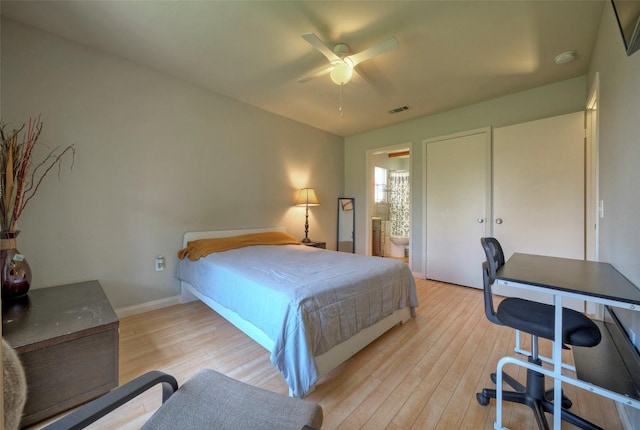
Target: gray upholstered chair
(208, 400)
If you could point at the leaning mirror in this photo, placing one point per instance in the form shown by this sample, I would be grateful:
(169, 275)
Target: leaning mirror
(346, 225)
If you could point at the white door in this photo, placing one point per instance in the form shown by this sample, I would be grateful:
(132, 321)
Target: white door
(538, 187)
(458, 206)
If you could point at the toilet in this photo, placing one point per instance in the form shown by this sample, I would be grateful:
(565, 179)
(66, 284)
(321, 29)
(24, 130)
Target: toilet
(399, 246)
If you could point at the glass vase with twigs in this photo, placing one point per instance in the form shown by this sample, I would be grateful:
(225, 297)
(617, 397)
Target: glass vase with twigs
(20, 179)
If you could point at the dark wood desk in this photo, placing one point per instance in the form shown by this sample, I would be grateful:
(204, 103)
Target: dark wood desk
(67, 340)
(601, 282)
(562, 277)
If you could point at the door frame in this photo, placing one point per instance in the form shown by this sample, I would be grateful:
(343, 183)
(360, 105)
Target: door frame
(593, 205)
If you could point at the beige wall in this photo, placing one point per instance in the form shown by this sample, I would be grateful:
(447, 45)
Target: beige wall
(619, 138)
(550, 100)
(156, 157)
(619, 155)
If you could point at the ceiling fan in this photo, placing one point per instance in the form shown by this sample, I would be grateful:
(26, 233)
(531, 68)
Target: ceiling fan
(341, 67)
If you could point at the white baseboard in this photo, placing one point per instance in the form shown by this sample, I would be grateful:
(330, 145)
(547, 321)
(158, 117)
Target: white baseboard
(148, 306)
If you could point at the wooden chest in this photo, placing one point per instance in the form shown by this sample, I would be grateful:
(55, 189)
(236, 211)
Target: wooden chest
(67, 340)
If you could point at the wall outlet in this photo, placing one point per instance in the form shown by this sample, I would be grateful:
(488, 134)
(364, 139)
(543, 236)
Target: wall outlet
(160, 263)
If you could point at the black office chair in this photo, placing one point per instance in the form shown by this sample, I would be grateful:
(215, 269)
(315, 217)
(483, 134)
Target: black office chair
(537, 319)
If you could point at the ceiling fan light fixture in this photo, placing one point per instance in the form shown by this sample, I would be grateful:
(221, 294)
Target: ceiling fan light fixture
(342, 71)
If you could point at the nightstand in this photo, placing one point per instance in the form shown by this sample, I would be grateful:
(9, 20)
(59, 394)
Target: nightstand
(322, 245)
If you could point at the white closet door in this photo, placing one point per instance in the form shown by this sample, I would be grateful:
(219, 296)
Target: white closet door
(538, 184)
(538, 188)
(458, 204)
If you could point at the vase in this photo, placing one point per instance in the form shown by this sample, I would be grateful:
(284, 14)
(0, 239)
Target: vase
(16, 273)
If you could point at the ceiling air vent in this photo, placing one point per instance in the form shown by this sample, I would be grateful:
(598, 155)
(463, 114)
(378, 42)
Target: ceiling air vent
(399, 109)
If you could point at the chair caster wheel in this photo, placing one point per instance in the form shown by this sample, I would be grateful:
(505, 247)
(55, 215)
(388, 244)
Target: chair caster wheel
(482, 399)
(566, 403)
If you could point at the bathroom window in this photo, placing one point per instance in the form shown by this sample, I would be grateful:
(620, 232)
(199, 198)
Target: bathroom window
(380, 184)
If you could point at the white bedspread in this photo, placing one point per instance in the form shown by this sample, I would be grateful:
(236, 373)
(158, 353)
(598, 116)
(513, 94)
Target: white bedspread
(305, 299)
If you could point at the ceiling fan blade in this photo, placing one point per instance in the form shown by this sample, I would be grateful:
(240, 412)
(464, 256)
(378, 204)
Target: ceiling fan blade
(320, 46)
(315, 74)
(381, 48)
(360, 77)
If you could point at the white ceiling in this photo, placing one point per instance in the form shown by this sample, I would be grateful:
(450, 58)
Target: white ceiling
(451, 53)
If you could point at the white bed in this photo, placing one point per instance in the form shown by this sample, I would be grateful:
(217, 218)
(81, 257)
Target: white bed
(324, 362)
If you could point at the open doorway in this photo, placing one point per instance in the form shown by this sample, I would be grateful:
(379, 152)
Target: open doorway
(388, 202)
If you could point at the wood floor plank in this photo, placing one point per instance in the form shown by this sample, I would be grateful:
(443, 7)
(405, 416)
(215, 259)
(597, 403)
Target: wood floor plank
(423, 374)
(441, 412)
(407, 355)
(432, 372)
(463, 401)
(392, 373)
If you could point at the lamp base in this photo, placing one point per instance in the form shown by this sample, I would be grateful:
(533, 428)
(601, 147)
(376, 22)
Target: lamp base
(306, 240)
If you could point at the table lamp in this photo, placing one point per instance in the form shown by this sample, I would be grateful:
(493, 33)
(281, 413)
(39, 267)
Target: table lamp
(306, 198)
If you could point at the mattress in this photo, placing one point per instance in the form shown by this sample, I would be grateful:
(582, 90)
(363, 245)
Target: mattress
(305, 299)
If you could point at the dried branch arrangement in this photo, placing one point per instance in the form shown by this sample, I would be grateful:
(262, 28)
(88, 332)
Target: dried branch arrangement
(20, 177)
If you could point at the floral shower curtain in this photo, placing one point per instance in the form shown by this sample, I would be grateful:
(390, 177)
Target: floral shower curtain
(399, 202)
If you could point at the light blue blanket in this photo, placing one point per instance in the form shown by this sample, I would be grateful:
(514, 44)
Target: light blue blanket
(307, 300)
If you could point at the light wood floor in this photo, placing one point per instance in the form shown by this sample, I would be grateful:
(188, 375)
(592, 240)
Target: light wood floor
(421, 375)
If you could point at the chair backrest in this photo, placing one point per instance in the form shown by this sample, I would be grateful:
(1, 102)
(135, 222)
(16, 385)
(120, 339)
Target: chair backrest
(495, 256)
(495, 260)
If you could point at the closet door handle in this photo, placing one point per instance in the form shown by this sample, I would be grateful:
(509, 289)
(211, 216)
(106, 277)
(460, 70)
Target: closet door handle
(480, 220)
(498, 220)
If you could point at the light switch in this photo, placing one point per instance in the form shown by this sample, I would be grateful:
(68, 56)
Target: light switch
(160, 263)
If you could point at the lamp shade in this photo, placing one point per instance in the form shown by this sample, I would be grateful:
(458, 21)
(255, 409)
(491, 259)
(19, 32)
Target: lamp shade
(307, 197)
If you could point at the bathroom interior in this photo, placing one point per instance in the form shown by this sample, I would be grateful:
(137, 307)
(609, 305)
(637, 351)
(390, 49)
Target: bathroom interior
(391, 220)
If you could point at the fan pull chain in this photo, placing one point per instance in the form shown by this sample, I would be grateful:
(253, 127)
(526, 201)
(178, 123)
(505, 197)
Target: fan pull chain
(340, 108)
